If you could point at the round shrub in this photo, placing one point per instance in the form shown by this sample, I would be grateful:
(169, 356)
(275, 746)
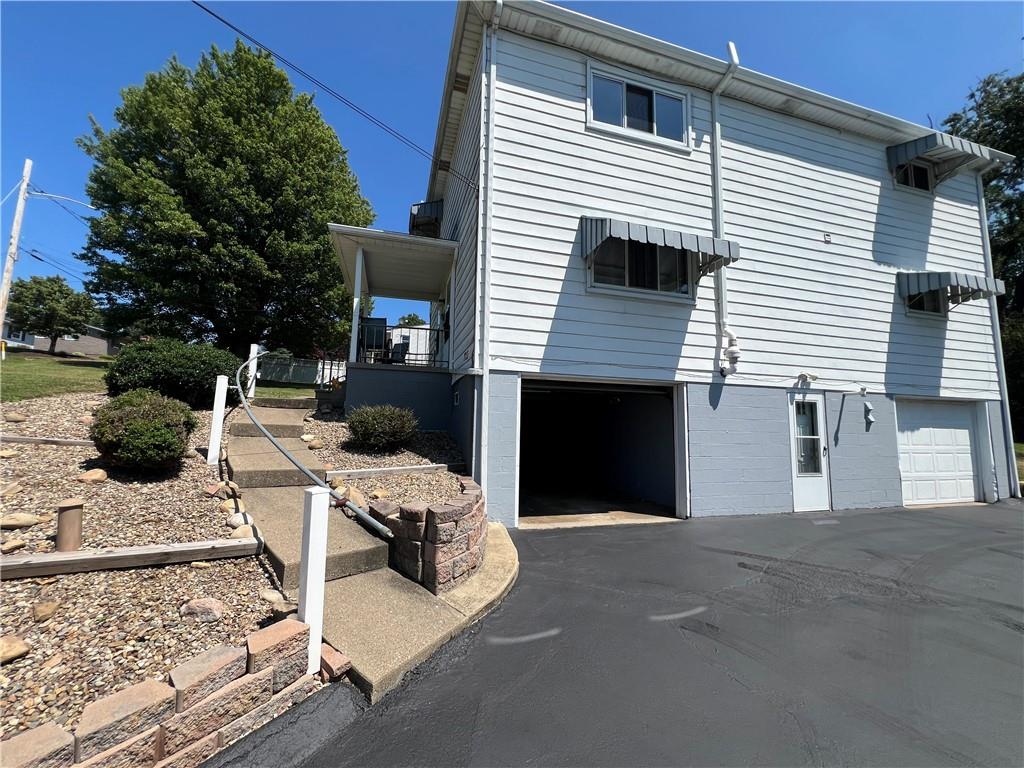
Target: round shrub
(143, 430)
(382, 427)
(187, 372)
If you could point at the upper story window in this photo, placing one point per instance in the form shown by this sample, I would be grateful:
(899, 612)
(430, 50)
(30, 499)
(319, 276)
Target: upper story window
(916, 176)
(637, 107)
(642, 266)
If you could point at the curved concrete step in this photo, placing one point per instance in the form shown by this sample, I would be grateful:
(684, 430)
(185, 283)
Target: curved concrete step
(305, 403)
(351, 549)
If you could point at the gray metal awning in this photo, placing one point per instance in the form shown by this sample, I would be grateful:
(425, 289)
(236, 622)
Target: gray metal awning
(948, 155)
(713, 253)
(960, 285)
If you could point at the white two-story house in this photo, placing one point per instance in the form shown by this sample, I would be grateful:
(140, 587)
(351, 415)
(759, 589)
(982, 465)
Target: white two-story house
(665, 283)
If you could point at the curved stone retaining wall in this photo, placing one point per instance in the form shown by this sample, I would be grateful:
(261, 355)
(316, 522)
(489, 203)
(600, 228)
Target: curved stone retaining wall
(437, 545)
(207, 703)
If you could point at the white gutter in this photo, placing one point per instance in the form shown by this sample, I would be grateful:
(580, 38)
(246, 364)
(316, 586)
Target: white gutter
(1004, 398)
(732, 351)
(485, 257)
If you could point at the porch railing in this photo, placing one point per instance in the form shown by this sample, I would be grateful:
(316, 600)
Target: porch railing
(400, 345)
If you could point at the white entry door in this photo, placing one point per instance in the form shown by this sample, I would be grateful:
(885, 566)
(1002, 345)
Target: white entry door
(810, 452)
(937, 443)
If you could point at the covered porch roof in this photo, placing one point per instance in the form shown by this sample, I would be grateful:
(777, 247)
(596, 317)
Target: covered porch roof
(395, 265)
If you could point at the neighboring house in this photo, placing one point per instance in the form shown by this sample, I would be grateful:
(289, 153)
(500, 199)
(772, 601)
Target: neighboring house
(660, 276)
(92, 343)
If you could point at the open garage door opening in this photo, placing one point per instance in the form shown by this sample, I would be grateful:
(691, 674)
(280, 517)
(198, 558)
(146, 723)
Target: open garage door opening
(606, 452)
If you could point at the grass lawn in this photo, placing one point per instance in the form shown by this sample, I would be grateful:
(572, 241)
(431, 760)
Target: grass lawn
(280, 389)
(35, 374)
(1018, 448)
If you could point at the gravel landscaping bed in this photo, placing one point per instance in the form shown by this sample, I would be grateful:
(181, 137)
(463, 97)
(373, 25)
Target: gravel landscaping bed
(425, 448)
(431, 487)
(112, 629)
(124, 510)
(57, 416)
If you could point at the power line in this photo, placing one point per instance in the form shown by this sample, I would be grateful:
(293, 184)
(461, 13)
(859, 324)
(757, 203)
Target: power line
(13, 190)
(393, 132)
(52, 199)
(35, 255)
(59, 260)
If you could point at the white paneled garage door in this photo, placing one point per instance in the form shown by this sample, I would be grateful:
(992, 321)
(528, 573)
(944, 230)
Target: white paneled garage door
(938, 445)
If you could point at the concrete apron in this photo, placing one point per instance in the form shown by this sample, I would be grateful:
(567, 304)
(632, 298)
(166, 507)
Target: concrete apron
(387, 624)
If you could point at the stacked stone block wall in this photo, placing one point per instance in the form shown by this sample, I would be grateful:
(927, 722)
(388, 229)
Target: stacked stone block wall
(207, 703)
(437, 545)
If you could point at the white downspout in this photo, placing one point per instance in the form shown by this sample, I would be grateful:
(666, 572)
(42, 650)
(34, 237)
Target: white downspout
(997, 338)
(732, 350)
(485, 320)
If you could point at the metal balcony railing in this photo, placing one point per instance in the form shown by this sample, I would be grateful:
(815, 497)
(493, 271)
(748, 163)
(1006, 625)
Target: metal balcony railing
(400, 345)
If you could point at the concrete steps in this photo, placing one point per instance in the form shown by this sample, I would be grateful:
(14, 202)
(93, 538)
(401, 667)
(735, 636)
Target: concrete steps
(280, 422)
(254, 462)
(351, 549)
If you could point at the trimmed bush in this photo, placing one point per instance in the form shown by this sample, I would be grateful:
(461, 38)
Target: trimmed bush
(143, 430)
(382, 427)
(186, 372)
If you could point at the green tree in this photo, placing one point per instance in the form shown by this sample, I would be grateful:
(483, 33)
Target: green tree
(48, 306)
(411, 319)
(994, 116)
(215, 190)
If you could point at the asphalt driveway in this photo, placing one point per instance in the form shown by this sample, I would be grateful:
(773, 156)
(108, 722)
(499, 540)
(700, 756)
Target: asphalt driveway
(868, 638)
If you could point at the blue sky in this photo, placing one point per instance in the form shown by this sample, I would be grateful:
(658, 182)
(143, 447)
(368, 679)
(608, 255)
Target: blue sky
(62, 62)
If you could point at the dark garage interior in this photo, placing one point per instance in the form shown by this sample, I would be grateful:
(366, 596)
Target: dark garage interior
(593, 448)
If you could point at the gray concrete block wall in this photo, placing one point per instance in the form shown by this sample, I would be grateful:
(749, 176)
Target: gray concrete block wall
(999, 451)
(739, 450)
(426, 391)
(503, 417)
(463, 417)
(864, 464)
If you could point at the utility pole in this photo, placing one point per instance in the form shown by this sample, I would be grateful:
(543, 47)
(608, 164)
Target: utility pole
(12, 248)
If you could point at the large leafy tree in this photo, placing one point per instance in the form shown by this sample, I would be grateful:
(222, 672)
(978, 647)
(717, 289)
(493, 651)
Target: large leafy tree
(48, 306)
(411, 319)
(994, 116)
(215, 190)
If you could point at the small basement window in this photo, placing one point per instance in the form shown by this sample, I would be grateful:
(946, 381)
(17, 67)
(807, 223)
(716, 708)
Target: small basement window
(930, 302)
(642, 266)
(915, 176)
(639, 108)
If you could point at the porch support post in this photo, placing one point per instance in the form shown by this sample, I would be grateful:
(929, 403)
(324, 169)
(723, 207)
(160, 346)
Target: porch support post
(357, 294)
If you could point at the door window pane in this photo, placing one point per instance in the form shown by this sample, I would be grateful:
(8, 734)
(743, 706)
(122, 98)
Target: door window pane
(639, 108)
(808, 456)
(669, 114)
(606, 100)
(643, 266)
(610, 262)
(806, 419)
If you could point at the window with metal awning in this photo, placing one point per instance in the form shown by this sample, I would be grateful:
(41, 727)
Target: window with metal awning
(936, 292)
(624, 254)
(941, 156)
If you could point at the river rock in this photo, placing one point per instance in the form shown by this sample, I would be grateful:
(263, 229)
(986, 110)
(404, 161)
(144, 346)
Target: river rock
(14, 417)
(44, 610)
(316, 444)
(10, 489)
(11, 545)
(271, 596)
(203, 609)
(8, 453)
(237, 519)
(243, 532)
(308, 438)
(93, 476)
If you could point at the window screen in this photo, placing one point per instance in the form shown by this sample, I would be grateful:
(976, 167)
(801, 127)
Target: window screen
(639, 109)
(669, 117)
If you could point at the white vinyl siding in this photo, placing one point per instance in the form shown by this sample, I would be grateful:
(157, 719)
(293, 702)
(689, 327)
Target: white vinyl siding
(795, 302)
(549, 170)
(461, 222)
